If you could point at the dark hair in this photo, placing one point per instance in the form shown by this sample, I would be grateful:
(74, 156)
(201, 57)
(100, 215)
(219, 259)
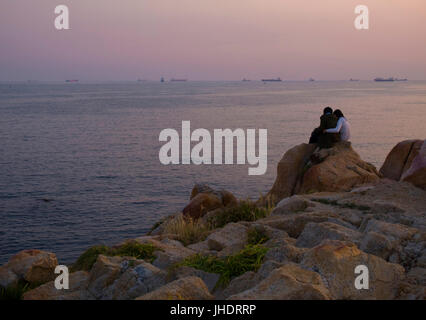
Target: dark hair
(338, 113)
(328, 110)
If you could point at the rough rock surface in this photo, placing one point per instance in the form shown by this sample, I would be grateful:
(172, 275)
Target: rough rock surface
(232, 238)
(289, 171)
(123, 278)
(190, 288)
(340, 169)
(336, 261)
(314, 233)
(210, 279)
(289, 282)
(77, 289)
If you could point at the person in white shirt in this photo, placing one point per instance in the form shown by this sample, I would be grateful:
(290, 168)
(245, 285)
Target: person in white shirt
(343, 127)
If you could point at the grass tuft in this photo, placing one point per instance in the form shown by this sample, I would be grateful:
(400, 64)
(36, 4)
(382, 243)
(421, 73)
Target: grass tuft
(248, 259)
(187, 230)
(256, 236)
(245, 211)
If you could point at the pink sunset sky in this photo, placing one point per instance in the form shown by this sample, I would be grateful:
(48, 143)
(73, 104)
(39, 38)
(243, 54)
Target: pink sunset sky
(212, 40)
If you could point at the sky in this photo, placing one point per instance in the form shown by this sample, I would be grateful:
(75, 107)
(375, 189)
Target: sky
(212, 40)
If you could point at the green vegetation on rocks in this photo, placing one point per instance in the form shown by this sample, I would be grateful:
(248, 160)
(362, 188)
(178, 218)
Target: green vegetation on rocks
(248, 259)
(245, 211)
(256, 236)
(130, 249)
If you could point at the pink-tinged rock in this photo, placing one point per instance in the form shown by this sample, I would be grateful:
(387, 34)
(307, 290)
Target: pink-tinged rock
(416, 174)
(400, 159)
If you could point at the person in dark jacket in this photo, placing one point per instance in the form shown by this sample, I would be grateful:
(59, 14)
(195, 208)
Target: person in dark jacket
(324, 139)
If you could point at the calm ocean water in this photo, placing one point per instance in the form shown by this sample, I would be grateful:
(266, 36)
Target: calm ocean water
(92, 149)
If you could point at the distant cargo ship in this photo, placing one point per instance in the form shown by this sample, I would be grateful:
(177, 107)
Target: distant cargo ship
(311, 79)
(178, 80)
(245, 80)
(71, 80)
(384, 79)
(272, 80)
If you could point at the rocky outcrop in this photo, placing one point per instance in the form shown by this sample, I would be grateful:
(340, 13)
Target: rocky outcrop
(32, 266)
(190, 288)
(337, 169)
(332, 214)
(304, 169)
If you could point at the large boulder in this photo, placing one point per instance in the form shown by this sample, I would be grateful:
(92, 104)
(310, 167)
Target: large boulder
(136, 281)
(336, 169)
(189, 288)
(400, 158)
(416, 173)
(336, 261)
(289, 171)
(34, 266)
(123, 278)
(77, 289)
(289, 282)
(306, 169)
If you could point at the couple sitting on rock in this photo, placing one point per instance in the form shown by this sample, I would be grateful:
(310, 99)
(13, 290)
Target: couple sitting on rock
(333, 128)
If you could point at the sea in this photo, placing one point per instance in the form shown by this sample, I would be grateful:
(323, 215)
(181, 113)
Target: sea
(79, 162)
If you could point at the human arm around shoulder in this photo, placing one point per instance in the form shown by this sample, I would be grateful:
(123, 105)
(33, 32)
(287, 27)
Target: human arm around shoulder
(338, 127)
